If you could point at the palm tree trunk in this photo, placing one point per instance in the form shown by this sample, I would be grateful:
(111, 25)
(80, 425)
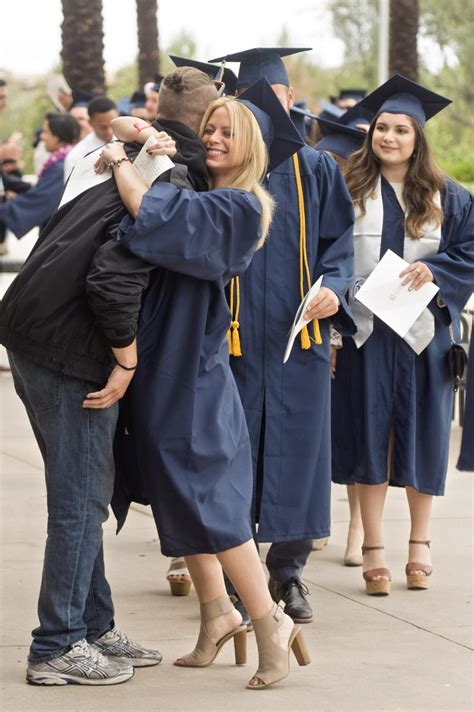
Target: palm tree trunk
(403, 56)
(83, 45)
(148, 52)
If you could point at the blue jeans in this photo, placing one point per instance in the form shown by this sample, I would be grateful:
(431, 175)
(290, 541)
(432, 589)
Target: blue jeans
(77, 447)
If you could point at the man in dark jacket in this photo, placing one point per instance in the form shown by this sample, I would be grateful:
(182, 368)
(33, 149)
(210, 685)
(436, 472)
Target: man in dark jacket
(67, 337)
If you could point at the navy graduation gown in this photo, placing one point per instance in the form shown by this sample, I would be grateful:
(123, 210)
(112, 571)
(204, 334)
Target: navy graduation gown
(385, 385)
(466, 456)
(288, 406)
(34, 207)
(186, 425)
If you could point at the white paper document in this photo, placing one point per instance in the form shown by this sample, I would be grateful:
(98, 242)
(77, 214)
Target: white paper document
(299, 320)
(83, 175)
(383, 293)
(150, 167)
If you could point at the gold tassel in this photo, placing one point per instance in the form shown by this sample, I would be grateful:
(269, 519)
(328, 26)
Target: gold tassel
(236, 350)
(305, 340)
(233, 333)
(304, 265)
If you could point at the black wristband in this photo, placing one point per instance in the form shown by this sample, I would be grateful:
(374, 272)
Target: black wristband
(126, 368)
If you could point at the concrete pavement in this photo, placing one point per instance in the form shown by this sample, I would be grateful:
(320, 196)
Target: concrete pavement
(408, 651)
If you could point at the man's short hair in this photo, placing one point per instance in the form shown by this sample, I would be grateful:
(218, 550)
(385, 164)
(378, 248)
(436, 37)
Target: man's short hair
(64, 126)
(100, 105)
(185, 94)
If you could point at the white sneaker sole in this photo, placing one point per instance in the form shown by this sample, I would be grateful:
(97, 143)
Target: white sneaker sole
(57, 678)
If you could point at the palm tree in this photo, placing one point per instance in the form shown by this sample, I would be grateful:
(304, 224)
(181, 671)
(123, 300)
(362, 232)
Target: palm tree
(403, 56)
(83, 45)
(148, 52)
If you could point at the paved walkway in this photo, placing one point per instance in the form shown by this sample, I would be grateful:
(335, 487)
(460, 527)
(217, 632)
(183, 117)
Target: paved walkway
(409, 651)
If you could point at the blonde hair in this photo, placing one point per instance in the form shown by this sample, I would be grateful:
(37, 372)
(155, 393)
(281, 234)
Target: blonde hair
(249, 149)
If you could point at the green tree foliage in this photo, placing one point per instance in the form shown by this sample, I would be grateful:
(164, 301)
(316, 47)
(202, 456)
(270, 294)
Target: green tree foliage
(445, 31)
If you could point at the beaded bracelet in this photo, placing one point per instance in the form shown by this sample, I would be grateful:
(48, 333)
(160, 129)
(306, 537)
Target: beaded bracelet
(117, 162)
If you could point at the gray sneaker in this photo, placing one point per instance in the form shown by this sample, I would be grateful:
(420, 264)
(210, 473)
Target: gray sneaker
(82, 665)
(117, 645)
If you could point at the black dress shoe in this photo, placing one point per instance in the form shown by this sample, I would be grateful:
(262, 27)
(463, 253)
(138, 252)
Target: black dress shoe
(293, 593)
(243, 611)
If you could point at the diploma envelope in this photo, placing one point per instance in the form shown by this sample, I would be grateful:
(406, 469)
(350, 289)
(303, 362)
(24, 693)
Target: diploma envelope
(386, 297)
(299, 321)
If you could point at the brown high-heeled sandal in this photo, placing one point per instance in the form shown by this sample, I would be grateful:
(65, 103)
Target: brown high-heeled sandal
(415, 580)
(376, 586)
(206, 649)
(273, 660)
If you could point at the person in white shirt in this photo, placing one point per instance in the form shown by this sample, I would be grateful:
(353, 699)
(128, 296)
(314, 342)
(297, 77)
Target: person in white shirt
(101, 111)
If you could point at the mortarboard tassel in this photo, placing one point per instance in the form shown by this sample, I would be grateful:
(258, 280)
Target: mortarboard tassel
(233, 336)
(304, 266)
(220, 72)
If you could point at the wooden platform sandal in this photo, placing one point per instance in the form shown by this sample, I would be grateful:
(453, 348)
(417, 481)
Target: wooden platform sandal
(374, 585)
(417, 581)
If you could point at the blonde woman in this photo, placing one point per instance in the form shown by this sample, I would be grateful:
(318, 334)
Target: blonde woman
(187, 420)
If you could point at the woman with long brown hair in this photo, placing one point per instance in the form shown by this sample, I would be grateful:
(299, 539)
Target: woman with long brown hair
(392, 397)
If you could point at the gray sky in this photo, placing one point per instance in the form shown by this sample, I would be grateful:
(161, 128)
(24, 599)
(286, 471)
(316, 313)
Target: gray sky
(34, 44)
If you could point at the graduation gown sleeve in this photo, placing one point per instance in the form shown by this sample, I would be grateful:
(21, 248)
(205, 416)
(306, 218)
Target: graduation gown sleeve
(336, 246)
(36, 206)
(453, 265)
(209, 236)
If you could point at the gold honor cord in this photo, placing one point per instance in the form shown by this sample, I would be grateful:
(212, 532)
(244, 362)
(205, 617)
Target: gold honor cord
(304, 267)
(233, 334)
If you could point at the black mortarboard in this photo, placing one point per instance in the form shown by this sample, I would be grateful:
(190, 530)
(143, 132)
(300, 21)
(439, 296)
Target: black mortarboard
(261, 62)
(154, 85)
(329, 110)
(351, 118)
(81, 98)
(400, 95)
(357, 94)
(342, 140)
(278, 131)
(300, 116)
(137, 100)
(341, 136)
(213, 71)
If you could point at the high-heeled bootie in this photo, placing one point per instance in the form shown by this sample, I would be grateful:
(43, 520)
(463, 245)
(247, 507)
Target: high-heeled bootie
(273, 656)
(206, 649)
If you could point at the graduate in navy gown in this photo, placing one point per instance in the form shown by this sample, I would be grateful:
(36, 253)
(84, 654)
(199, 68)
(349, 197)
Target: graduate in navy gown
(35, 207)
(288, 406)
(466, 456)
(392, 397)
(187, 423)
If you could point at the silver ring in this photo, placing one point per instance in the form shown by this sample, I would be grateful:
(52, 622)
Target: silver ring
(418, 271)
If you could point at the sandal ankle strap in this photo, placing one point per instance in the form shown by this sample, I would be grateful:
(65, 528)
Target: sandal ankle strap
(372, 548)
(418, 541)
(217, 607)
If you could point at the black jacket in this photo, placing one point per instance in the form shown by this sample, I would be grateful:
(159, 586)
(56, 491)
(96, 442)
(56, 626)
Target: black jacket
(52, 312)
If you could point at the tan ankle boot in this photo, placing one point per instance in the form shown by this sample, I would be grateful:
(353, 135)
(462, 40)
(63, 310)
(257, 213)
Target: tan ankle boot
(274, 661)
(206, 649)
